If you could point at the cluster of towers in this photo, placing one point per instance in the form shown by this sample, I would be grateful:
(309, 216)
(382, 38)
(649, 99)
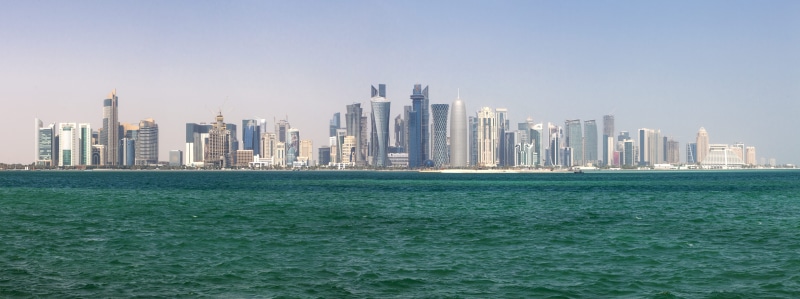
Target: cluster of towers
(71, 144)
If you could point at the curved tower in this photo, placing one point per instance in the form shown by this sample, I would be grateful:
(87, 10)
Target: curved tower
(458, 134)
(380, 119)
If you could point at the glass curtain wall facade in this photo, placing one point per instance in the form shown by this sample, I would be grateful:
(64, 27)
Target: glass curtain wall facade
(439, 136)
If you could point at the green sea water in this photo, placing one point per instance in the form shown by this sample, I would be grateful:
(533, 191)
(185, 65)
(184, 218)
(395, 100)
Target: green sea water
(359, 234)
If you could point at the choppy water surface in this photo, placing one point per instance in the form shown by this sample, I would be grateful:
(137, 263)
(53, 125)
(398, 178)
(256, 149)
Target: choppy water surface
(732, 234)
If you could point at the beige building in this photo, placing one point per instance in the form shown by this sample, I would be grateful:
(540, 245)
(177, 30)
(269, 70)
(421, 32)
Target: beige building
(244, 158)
(702, 144)
(306, 152)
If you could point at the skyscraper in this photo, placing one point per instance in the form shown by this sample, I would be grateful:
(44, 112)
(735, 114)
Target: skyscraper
(574, 141)
(218, 145)
(419, 137)
(147, 143)
(487, 138)
(109, 137)
(380, 120)
(673, 151)
(472, 122)
(439, 136)
(590, 142)
(293, 146)
(353, 120)
(702, 144)
(691, 153)
(650, 147)
(608, 139)
(502, 127)
(459, 148)
(44, 144)
(75, 146)
(335, 124)
(400, 132)
(251, 135)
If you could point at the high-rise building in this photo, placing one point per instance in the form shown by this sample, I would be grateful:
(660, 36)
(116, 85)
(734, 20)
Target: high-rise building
(751, 156)
(673, 151)
(540, 139)
(335, 123)
(487, 138)
(608, 139)
(44, 144)
(306, 155)
(419, 137)
(353, 119)
(127, 151)
(293, 147)
(196, 136)
(459, 147)
(472, 123)
(439, 135)
(380, 128)
(691, 153)
(75, 144)
(628, 152)
(702, 144)
(147, 143)
(218, 145)
(269, 142)
(590, 142)
(400, 133)
(510, 145)
(324, 155)
(650, 147)
(574, 141)
(502, 127)
(251, 135)
(109, 136)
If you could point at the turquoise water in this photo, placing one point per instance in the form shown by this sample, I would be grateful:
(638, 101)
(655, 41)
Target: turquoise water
(732, 234)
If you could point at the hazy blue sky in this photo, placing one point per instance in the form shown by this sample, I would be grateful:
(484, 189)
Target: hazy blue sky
(732, 67)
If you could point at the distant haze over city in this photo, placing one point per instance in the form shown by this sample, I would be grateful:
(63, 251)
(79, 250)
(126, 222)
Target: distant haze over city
(730, 67)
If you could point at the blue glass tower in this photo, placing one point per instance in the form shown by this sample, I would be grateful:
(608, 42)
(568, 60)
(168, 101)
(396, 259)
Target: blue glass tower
(251, 135)
(418, 135)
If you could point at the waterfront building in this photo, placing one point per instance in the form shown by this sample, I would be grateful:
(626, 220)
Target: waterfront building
(109, 136)
(720, 156)
(75, 144)
(354, 128)
(459, 146)
(279, 159)
(702, 144)
(650, 147)
(673, 151)
(306, 152)
(147, 143)
(175, 158)
(751, 156)
(98, 154)
(127, 152)
(472, 123)
(574, 140)
(293, 146)
(325, 155)
(608, 139)
(628, 153)
(269, 142)
(691, 153)
(509, 147)
(335, 124)
(739, 149)
(44, 144)
(487, 138)
(501, 114)
(251, 136)
(419, 137)
(218, 145)
(590, 142)
(349, 147)
(439, 135)
(196, 136)
(540, 141)
(555, 145)
(380, 127)
(400, 132)
(244, 158)
(399, 160)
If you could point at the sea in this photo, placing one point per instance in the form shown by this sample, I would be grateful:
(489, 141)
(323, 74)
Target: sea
(399, 234)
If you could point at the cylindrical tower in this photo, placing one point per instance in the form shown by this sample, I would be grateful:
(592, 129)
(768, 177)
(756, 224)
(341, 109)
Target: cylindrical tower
(458, 134)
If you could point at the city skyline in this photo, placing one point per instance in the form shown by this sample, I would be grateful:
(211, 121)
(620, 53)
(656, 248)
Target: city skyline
(728, 67)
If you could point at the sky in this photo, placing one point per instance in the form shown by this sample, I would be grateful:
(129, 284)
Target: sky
(732, 67)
